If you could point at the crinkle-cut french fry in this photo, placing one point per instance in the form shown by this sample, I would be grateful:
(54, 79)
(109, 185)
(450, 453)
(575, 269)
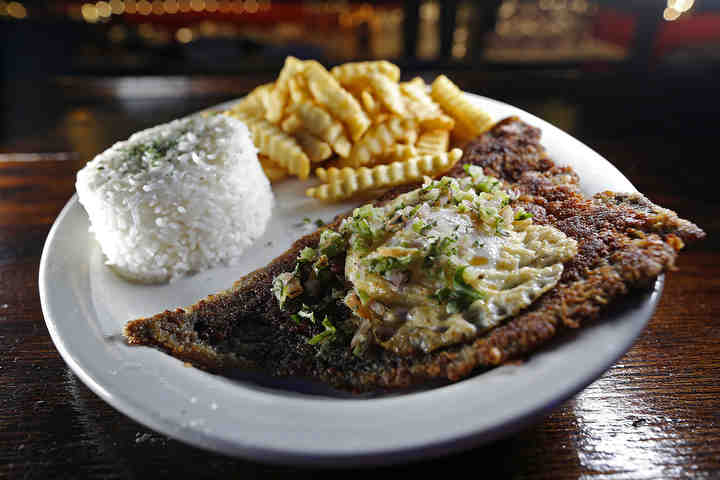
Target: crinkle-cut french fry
(438, 121)
(327, 175)
(419, 104)
(345, 183)
(279, 94)
(388, 92)
(342, 146)
(254, 102)
(281, 148)
(416, 89)
(249, 105)
(354, 72)
(316, 149)
(320, 123)
(433, 141)
(371, 105)
(291, 124)
(379, 138)
(474, 120)
(400, 152)
(298, 89)
(339, 102)
(273, 171)
(410, 136)
(381, 117)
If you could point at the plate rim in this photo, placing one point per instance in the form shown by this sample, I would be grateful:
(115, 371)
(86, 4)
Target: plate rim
(369, 457)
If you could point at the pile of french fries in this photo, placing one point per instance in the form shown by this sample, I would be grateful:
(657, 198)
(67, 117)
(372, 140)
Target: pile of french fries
(358, 125)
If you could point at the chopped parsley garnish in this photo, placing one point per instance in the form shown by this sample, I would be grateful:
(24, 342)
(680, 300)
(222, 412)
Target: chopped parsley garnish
(326, 335)
(364, 235)
(488, 185)
(331, 243)
(141, 156)
(522, 215)
(364, 297)
(384, 265)
(440, 246)
(307, 254)
(458, 296)
(420, 227)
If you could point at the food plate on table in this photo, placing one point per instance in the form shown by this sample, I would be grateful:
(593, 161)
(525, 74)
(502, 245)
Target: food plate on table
(286, 421)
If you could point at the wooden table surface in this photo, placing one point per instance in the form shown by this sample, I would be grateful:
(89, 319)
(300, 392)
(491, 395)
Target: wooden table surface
(654, 414)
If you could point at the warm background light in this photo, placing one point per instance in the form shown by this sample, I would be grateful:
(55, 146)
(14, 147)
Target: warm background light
(184, 35)
(16, 10)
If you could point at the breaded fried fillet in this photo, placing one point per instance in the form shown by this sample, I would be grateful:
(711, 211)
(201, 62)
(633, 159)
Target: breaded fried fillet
(624, 243)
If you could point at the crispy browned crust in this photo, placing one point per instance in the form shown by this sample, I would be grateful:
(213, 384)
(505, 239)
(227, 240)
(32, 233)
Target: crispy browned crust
(624, 241)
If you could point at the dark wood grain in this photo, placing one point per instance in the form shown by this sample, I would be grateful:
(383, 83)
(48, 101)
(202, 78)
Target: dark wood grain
(654, 414)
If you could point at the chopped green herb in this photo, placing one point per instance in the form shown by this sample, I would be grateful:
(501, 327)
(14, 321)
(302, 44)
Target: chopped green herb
(307, 254)
(319, 223)
(363, 295)
(488, 185)
(331, 243)
(440, 246)
(325, 335)
(360, 228)
(419, 226)
(307, 220)
(366, 211)
(522, 215)
(458, 296)
(384, 265)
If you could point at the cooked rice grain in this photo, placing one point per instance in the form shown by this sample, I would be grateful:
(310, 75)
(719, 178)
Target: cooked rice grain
(177, 198)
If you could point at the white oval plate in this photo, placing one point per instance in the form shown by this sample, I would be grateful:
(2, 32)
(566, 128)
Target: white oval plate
(86, 306)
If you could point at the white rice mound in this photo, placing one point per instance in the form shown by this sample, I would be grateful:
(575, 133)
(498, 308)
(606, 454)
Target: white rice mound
(177, 198)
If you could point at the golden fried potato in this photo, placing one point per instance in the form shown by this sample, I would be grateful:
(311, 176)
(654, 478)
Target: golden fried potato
(279, 94)
(320, 123)
(291, 124)
(379, 138)
(433, 141)
(357, 115)
(372, 106)
(347, 182)
(354, 73)
(316, 149)
(272, 170)
(398, 153)
(336, 100)
(419, 104)
(271, 141)
(254, 103)
(298, 89)
(388, 92)
(470, 120)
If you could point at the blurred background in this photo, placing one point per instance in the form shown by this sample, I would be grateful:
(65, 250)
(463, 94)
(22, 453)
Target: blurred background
(78, 75)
